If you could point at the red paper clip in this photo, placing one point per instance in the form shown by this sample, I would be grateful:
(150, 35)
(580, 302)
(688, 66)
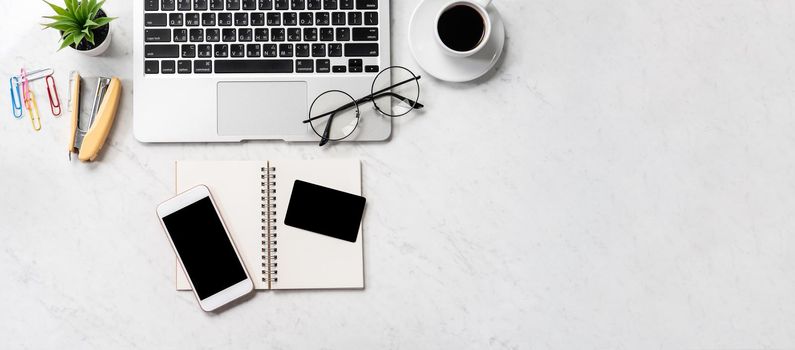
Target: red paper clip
(52, 91)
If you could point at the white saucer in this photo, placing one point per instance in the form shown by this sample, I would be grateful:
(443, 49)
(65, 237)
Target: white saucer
(433, 59)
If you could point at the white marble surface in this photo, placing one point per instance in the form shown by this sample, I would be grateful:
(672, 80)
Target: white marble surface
(624, 180)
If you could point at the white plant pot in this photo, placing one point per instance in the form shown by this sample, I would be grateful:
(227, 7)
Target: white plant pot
(102, 47)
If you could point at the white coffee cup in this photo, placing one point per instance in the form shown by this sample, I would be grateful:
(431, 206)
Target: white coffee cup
(480, 7)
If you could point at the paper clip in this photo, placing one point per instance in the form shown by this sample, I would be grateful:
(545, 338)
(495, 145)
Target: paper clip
(52, 91)
(16, 98)
(37, 74)
(33, 111)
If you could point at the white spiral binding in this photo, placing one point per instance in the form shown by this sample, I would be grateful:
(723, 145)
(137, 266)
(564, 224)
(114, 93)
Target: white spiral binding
(269, 242)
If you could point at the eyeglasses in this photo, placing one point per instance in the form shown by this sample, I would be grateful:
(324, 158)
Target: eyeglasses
(334, 114)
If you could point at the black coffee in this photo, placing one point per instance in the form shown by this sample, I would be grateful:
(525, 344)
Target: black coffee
(461, 28)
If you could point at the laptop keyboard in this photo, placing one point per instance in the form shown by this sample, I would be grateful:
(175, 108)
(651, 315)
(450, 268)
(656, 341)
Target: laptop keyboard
(260, 36)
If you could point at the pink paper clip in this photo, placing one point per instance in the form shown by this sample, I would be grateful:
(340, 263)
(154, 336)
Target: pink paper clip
(23, 75)
(52, 91)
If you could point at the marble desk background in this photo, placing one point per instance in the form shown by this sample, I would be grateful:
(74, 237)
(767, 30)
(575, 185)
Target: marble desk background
(623, 180)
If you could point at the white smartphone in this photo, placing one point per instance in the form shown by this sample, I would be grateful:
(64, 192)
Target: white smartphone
(202, 243)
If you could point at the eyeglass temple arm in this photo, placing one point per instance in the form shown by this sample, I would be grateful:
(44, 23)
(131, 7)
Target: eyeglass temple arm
(364, 99)
(414, 104)
(325, 138)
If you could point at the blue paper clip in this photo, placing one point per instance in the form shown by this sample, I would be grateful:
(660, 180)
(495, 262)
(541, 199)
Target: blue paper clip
(16, 99)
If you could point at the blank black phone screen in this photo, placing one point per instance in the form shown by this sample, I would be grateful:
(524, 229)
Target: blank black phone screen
(204, 247)
(325, 211)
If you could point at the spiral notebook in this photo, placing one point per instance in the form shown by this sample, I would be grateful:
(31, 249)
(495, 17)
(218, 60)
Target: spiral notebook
(252, 195)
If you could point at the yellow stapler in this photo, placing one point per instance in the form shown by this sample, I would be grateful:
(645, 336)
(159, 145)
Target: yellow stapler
(91, 123)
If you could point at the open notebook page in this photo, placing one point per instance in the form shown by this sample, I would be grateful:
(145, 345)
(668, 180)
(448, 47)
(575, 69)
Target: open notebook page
(308, 260)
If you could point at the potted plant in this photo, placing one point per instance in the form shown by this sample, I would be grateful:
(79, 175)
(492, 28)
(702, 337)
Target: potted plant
(83, 25)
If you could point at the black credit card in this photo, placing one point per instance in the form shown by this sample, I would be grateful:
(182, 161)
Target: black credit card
(325, 211)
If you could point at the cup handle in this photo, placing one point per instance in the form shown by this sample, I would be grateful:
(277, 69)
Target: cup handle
(484, 3)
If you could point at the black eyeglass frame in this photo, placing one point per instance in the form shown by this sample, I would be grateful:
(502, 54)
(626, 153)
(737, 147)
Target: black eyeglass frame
(324, 138)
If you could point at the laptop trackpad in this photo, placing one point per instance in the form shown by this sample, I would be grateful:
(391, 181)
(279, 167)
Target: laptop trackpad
(261, 108)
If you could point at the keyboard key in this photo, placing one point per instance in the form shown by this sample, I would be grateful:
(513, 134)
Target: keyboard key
(354, 62)
(354, 18)
(323, 66)
(329, 4)
(205, 51)
(188, 51)
(361, 50)
(340, 69)
(192, 19)
(200, 5)
(208, 19)
(168, 5)
(254, 66)
(221, 50)
(225, 19)
(269, 50)
(371, 69)
(282, 4)
(249, 5)
(237, 50)
(151, 67)
(217, 5)
(245, 35)
(313, 5)
(213, 35)
(346, 4)
(175, 19)
(274, 19)
(365, 34)
(183, 5)
(180, 35)
(371, 18)
(196, 35)
(151, 5)
(277, 34)
(310, 34)
(326, 34)
(366, 4)
(304, 66)
(265, 4)
(306, 19)
(290, 18)
(229, 35)
(155, 19)
(168, 67)
(157, 35)
(301, 50)
(203, 66)
(293, 34)
(261, 34)
(338, 18)
(343, 34)
(184, 67)
(285, 50)
(355, 69)
(322, 18)
(241, 19)
(253, 50)
(161, 51)
(335, 50)
(318, 50)
(297, 4)
(257, 19)
(233, 5)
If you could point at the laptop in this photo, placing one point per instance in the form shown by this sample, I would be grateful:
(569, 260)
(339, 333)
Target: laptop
(234, 70)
